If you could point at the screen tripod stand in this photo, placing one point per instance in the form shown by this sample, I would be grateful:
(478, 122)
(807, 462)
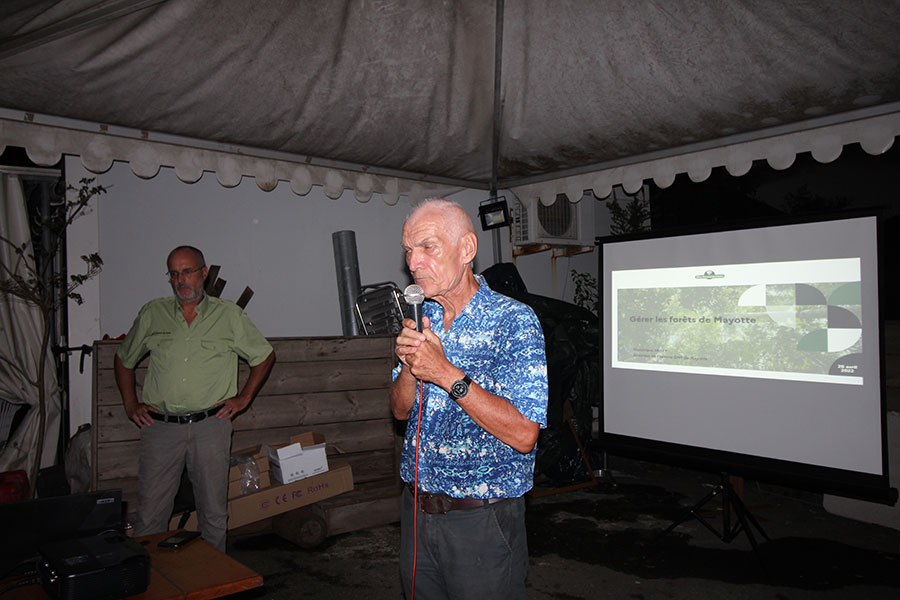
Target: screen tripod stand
(731, 502)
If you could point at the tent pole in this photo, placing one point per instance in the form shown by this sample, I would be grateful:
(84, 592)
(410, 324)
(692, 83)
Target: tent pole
(495, 150)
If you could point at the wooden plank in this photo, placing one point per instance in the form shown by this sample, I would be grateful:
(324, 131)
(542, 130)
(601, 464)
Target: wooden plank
(341, 438)
(290, 349)
(368, 505)
(128, 485)
(328, 376)
(268, 412)
(332, 348)
(218, 287)
(287, 378)
(389, 487)
(367, 466)
(113, 425)
(94, 419)
(371, 466)
(359, 515)
(376, 467)
(312, 408)
(105, 351)
(244, 299)
(211, 275)
(116, 460)
(120, 459)
(106, 394)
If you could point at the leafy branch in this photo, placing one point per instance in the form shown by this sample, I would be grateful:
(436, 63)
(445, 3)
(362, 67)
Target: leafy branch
(586, 294)
(32, 280)
(630, 218)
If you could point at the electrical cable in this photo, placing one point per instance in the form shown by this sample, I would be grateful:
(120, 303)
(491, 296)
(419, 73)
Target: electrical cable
(415, 296)
(412, 593)
(20, 584)
(30, 563)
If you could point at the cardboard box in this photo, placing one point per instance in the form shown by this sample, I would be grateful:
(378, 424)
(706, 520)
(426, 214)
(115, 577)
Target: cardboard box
(279, 498)
(303, 457)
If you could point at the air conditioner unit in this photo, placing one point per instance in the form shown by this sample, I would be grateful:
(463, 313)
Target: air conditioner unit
(563, 223)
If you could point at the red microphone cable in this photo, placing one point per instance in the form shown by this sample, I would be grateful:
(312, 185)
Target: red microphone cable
(412, 593)
(415, 297)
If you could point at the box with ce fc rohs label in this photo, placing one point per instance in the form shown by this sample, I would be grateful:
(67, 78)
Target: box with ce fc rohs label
(278, 498)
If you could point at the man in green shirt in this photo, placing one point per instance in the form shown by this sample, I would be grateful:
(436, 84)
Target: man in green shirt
(189, 395)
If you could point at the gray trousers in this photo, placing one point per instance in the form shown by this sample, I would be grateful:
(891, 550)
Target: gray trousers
(166, 448)
(469, 554)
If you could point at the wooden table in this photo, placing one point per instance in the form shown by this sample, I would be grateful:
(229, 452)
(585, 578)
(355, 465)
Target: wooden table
(195, 572)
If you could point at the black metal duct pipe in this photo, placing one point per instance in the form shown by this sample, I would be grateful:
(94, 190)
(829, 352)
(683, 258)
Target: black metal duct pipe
(346, 265)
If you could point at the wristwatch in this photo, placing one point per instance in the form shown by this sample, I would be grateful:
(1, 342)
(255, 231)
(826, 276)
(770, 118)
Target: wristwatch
(460, 388)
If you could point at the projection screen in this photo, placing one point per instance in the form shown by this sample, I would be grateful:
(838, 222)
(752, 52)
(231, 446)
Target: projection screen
(753, 351)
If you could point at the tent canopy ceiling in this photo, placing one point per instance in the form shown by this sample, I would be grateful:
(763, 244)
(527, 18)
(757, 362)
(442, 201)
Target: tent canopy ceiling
(407, 95)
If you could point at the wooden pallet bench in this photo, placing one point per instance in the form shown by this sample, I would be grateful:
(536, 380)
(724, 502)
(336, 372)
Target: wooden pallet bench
(336, 386)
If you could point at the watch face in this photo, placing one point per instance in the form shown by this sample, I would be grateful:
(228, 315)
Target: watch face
(459, 389)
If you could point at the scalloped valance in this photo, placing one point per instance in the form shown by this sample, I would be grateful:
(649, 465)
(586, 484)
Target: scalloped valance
(47, 142)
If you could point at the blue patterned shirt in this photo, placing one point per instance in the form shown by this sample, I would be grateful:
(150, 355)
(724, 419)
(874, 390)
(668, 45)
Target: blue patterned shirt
(499, 343)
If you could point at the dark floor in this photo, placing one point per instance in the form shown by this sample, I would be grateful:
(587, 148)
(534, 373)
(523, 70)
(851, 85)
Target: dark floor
(608, 541)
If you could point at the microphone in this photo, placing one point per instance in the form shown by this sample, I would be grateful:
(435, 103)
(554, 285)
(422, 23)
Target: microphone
(414, 295)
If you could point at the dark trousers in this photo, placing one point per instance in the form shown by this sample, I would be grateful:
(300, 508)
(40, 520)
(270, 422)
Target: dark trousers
(475, 553)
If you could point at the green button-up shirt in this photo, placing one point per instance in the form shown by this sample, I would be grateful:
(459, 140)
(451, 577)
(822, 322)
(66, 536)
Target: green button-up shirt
(191, 367)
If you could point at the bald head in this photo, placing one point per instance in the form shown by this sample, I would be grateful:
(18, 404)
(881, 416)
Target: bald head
(440, 245)
(195, 251)
(454, 218)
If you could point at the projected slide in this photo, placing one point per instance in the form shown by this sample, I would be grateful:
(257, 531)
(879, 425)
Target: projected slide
(754, 349)
(792, 320)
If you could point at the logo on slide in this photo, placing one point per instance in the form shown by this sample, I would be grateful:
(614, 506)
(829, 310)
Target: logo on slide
(709, 275)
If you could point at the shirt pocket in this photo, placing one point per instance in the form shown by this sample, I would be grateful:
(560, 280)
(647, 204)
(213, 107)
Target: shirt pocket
(159, 343)
(160, 347)
(212, 352)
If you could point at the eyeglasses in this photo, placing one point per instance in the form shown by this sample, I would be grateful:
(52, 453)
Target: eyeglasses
(184, 273)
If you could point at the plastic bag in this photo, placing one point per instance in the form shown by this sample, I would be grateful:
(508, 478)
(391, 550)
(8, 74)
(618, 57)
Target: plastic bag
(78, 460)
(249, 473)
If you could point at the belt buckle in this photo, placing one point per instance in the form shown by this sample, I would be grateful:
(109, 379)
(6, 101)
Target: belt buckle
(445, 503)
(435, 503)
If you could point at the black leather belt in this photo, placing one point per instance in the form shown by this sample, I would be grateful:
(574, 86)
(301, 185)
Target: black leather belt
(442, 503)
(190, 418)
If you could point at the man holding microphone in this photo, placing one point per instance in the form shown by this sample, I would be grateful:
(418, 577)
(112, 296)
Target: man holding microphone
(473, 385)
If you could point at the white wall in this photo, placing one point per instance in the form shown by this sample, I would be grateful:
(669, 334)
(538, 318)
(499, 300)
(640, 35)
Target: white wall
(278, 243)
